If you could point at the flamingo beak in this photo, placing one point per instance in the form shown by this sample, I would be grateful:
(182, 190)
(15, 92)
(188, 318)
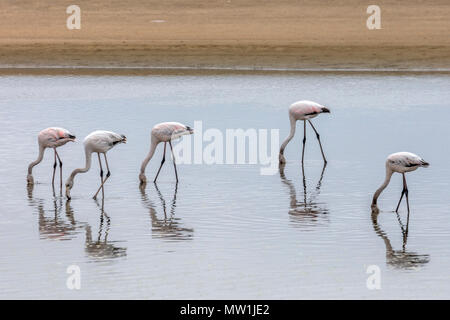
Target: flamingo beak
(325, 110)
(72, 138)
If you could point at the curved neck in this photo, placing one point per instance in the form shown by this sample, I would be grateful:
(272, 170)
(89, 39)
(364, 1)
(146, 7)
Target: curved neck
(389, 173)
(38, 160)
(86, 168)
(150, 154)
(291, 135)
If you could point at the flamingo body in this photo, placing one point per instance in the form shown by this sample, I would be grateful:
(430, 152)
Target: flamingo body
(163, 132)
(167, 131)
(99, 142)
(400, 162)
(305, 110)
(53, 137)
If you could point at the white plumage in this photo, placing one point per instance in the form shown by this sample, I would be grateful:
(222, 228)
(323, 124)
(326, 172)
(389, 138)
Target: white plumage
(400, 162)
(99, 141)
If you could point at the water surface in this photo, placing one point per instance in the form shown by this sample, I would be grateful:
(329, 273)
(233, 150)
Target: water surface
(225, 231)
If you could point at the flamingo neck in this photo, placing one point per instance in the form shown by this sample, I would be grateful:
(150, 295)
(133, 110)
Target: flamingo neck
(38, 160)
(150, 154)
(86, 168)
(291, 135)
(389, 173)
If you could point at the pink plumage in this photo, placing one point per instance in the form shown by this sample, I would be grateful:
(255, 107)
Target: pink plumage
(304, 110)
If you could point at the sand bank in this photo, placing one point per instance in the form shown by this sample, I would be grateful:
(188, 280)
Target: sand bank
(288, 34)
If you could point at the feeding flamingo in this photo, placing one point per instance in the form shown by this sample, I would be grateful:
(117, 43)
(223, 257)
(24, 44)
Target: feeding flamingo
(50, 138)
(98, 142)
(303, 110)
(164, 132)
(400, 162)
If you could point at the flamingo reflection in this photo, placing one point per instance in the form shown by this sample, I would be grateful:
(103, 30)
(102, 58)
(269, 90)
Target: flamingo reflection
(100, 248)
(168, 227)
(399, 259)
(54, 226)
(306, 211)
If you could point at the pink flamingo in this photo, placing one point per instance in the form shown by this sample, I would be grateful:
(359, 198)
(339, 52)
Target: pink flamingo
(164, 132)
(303, 110)
(98, 142)
(400, 162)
(50, 138)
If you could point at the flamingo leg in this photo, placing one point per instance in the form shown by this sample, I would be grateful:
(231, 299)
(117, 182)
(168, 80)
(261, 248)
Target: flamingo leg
(404, 192)
(101, 179)
(54, 170)
(173, 158)
(60, 169)
(320, 144)
(304, 140)
(162, 162)
(108, 174)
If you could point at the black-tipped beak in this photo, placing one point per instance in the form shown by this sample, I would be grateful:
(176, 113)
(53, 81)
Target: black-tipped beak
(124, 139)
(190, 130)
(325, 110)
(72, 137)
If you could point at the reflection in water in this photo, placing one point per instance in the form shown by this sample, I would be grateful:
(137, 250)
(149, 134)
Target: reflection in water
(306, 211)
(399, 259)
(168, 227)
(102, 249)
(54, 227)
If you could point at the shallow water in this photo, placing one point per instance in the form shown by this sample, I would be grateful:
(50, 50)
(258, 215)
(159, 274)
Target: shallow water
(226, 231)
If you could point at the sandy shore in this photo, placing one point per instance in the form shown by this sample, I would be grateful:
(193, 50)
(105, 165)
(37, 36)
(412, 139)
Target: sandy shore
(287, 34)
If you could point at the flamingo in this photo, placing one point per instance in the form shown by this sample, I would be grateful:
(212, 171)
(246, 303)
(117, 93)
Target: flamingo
(303, 110)
(98, 142)
(164, 132)
(50, 138)
(400, 162)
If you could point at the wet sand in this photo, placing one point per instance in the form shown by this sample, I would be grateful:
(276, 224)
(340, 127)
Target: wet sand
(227, 34)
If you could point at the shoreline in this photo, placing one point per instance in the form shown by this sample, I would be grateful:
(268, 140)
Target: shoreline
(212, 56)
(144, 71)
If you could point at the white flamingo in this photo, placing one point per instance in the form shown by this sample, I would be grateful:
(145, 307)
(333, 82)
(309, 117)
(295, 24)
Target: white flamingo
(303, 110)
(50, 138)
(98, 142)
(400, 162)
(164, 132)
